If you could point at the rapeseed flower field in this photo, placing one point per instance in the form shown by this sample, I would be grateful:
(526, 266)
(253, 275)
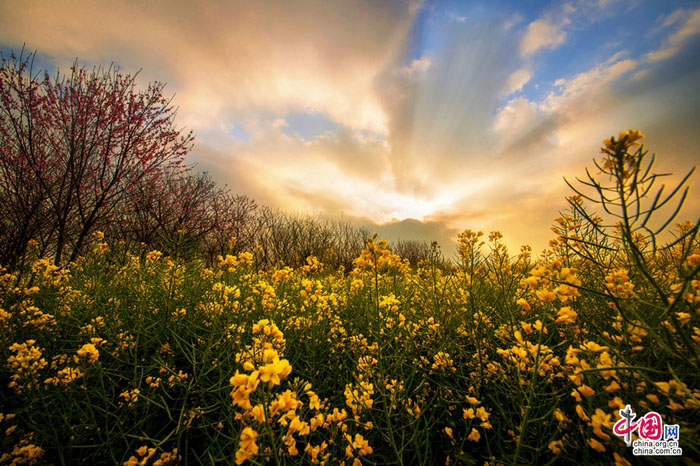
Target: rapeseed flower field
(507, 358)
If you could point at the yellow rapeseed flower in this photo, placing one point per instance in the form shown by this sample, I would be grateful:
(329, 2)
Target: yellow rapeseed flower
(89, 351)
(247, 446)
(153, 256)
(546, 296)
(555, 446)
(582, 414)
(596, 445)
(522, 302)
(274, 372)
(566, 315)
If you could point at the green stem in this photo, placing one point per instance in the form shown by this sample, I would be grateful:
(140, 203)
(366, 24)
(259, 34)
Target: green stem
(530, 395)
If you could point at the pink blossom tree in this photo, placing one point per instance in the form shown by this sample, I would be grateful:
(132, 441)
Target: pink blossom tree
(72, 148)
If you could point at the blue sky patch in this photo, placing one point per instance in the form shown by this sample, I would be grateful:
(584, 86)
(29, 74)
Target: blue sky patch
(308, 125)
(239, 133)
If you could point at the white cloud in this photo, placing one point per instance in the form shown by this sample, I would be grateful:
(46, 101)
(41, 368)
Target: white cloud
(674, 17)
(688, 28)
(584, 86)
(517, 80)
(516, 116)
(417, 67)
(542, 33)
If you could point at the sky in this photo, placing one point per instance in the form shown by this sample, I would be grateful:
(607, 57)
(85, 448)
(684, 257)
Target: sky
(416, 119)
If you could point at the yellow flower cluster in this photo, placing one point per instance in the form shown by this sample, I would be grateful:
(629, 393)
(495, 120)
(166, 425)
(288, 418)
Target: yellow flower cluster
(552, 281)
(87, 352)
(49, 273)
(312, 265)
(566, 315)
(524, 354)
(442, 361)
(619, 284)
(357, 445)
(265, 365)
(468, 243)
(618, 159)
(153, 256)
(253, 391)
(130, 397)
(23, 453)
(247, 447)
(358, 397)
(231, 263)
(26, 364)
(624, 141)
(65, 376)
(480, 412)
(145, 453)
(376, 255)
(32, 316)
(266, 293)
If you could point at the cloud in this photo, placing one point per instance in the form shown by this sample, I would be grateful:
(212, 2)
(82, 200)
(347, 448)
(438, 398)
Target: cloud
(517, 115)
(583, 86)
(540, 34)
(325, 174)
(517, 80)
(558, 133)
(674, 17)
(444, 118)
(232, 57)
(416, 68)
(673, 43)
(548, 31)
